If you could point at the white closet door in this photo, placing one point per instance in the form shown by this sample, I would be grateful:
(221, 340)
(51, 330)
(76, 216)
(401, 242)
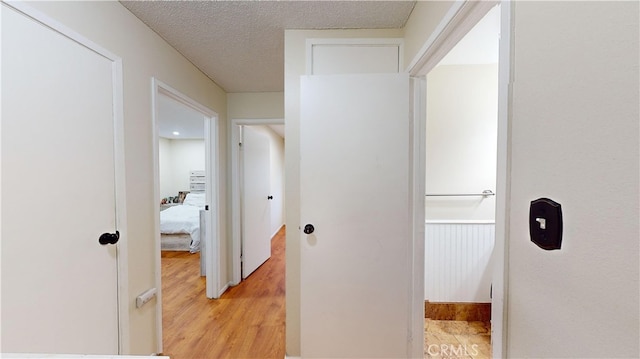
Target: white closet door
(59, 285)
(256, 207)
(354, 190)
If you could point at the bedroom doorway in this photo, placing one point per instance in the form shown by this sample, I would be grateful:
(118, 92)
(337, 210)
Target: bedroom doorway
(186, 190)
(257, 205)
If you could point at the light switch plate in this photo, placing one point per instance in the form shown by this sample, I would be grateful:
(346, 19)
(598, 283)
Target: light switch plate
(545, 223)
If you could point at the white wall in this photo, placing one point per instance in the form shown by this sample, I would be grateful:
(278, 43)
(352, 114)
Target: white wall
(177, 159)
(461, 150)
(575, 139)
(462, 120)
(256, 105)
(113, 27)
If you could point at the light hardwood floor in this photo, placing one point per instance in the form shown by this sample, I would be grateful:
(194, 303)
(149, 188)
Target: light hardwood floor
(248, 321)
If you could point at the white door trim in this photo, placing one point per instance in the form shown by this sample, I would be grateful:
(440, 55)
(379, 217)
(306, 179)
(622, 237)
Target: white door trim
(120, 184)
(312, 43)
(461, 18)
(212, 240)
(417, 106)
(236, 276)
(499, 319)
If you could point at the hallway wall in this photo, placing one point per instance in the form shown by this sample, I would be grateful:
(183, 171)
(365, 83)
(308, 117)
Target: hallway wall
(575, 139)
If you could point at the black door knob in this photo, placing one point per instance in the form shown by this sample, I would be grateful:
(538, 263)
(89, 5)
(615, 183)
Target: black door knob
(109, 238)
(269, 197)
(308, 229)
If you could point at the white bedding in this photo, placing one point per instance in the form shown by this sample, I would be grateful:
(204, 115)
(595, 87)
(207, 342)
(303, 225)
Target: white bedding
(184, 219)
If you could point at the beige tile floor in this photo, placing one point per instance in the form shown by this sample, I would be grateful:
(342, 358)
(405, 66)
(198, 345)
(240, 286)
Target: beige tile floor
(453, 339)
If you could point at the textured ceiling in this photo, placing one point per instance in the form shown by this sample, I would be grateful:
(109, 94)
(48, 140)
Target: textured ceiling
(240, 44)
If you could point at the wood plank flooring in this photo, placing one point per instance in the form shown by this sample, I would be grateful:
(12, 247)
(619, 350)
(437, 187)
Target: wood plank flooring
(248, 321)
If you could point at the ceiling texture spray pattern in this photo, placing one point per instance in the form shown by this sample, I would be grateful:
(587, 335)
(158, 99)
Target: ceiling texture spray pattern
(240, 44)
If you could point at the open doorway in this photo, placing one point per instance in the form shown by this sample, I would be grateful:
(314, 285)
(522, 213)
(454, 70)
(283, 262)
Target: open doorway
(257, 165)
(186, 168)
(182, 178)
(462, 102)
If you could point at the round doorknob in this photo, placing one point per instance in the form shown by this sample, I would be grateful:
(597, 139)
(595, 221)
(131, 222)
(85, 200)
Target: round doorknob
(109, 238)
(308, 229)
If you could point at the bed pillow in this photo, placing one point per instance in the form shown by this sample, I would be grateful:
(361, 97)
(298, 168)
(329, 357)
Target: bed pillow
(194, 199)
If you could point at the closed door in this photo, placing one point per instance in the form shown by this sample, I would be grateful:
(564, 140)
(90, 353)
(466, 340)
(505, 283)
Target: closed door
(354, 178)
(59, 285)
(256, 209)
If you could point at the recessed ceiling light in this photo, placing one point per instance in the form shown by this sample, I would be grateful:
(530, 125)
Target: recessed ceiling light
(176, 133)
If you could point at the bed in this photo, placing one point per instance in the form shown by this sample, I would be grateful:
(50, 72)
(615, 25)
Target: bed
(180, 225)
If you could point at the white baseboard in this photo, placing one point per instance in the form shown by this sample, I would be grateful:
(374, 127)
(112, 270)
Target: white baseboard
(277, 230)
(288, 357)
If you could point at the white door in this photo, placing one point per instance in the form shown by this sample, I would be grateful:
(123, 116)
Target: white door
(59, 285)
(256, 213)
(354, 178)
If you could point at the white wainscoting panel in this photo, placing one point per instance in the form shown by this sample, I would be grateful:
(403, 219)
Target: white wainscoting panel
(457, 261)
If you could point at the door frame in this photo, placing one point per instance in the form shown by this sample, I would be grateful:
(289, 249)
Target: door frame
(211, 241)
(459, 20)
(122, 247)
(236, 213)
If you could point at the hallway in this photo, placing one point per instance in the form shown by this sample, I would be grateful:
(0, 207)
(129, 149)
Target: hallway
(248, 321)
